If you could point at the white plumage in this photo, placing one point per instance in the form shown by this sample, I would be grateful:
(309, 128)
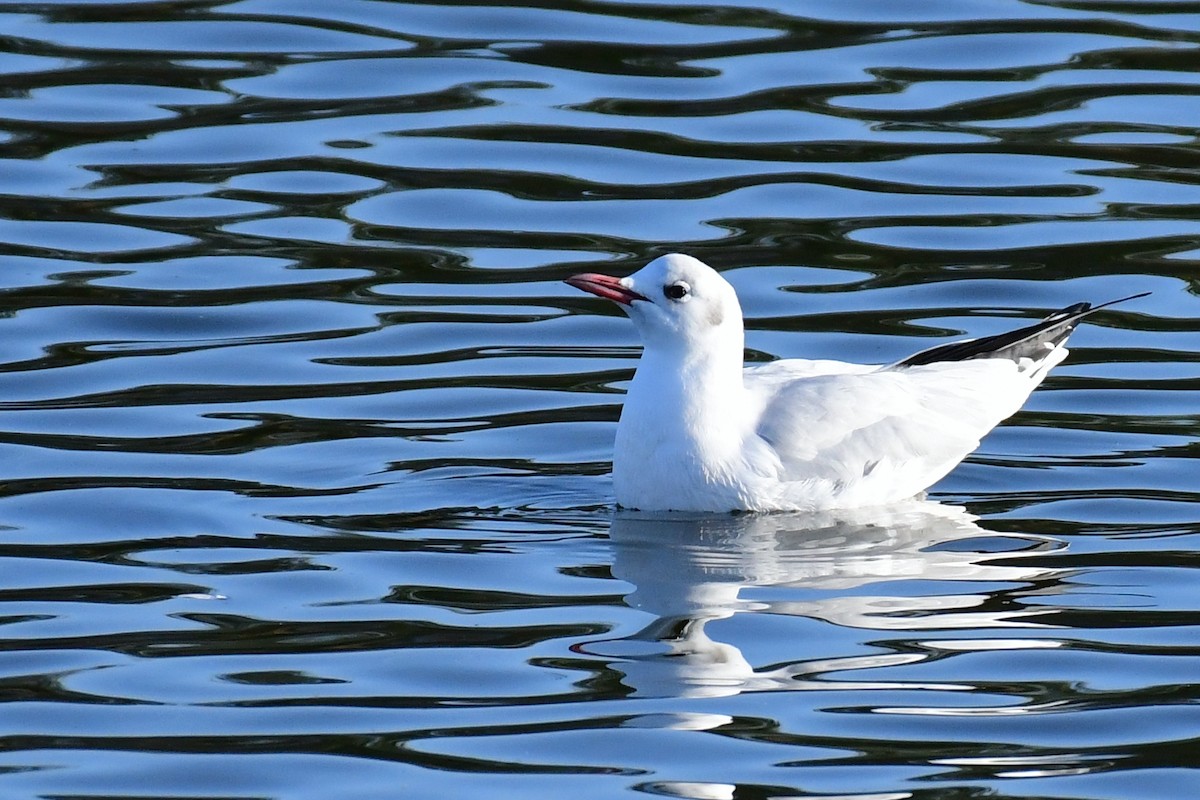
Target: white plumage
(701, 432)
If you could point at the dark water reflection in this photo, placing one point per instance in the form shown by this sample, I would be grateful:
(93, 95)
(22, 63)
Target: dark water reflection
(304, 488)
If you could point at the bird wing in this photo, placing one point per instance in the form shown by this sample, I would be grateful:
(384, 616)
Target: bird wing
(868, 435)
(890, 432)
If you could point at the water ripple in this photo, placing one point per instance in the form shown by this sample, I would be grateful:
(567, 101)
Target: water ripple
(306, 447)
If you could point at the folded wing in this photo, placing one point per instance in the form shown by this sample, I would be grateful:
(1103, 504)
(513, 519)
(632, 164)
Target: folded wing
(868, 435)
(888, 434)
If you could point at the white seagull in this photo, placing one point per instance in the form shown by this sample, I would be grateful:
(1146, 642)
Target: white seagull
(701, 432)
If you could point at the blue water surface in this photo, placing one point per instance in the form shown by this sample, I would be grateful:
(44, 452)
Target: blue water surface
(305, 447)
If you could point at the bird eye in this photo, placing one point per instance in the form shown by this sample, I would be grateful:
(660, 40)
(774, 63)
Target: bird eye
(676, 291)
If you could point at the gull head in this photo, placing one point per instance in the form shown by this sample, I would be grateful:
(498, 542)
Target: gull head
(675, 301)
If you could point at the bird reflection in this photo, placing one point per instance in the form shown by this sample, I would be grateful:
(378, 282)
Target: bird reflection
(688, 570)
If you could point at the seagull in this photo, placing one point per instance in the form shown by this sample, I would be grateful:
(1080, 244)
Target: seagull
(700, 431)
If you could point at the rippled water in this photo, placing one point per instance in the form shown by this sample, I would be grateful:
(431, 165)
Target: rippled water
(306, 447)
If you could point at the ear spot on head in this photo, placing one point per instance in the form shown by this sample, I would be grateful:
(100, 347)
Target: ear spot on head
(715, 315)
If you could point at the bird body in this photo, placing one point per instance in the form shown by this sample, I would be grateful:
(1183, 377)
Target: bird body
(701, 432)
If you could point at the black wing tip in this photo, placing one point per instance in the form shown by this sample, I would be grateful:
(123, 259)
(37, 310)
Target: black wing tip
(1137, 296)
(1052, 331)
(1083, 309)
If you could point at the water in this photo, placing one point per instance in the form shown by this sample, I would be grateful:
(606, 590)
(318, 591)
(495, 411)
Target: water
(305, 446)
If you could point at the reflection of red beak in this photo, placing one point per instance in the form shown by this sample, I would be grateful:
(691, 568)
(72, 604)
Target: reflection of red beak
(605, 286)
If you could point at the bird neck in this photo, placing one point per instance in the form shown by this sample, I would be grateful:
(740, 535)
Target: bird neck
(701, 385)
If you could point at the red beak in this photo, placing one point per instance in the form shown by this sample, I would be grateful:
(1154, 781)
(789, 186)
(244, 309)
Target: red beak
(604, 286)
